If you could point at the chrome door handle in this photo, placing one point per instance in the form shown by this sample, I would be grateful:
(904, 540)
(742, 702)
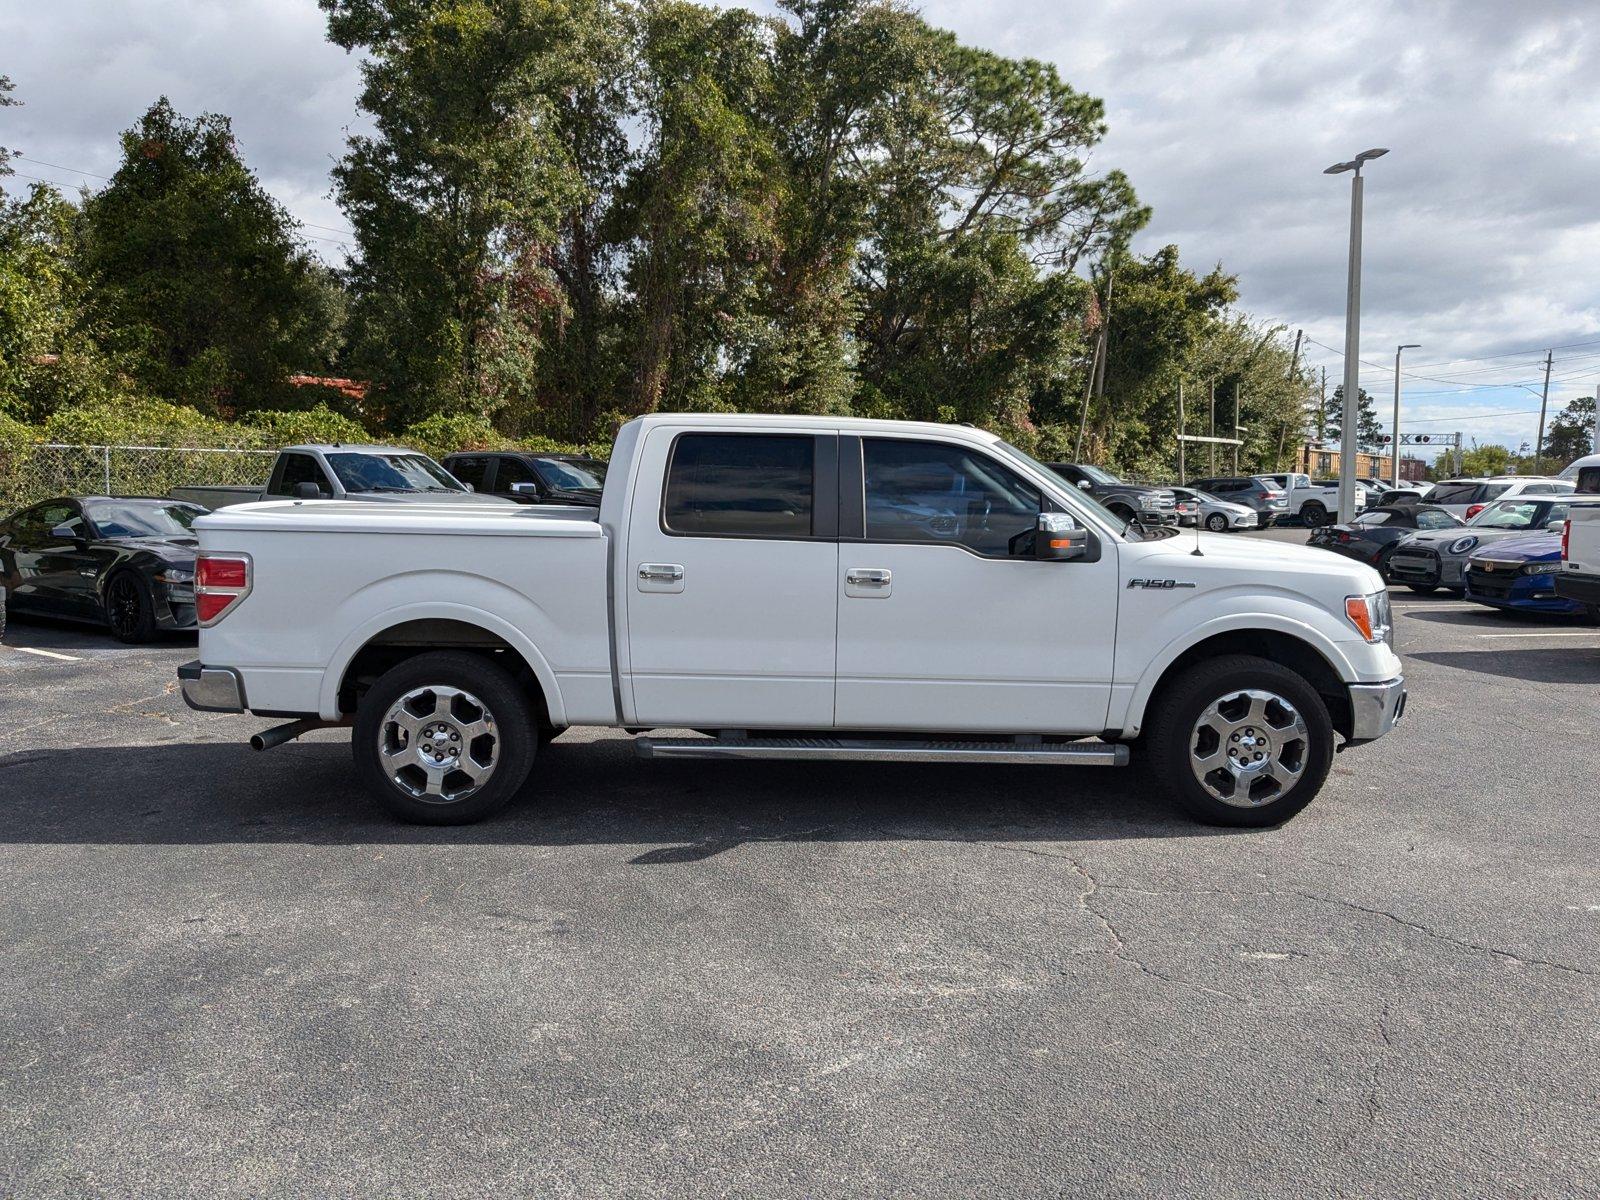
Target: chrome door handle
(660, 572)
(868, 577)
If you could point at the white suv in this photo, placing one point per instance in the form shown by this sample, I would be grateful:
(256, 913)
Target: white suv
(1466, 498)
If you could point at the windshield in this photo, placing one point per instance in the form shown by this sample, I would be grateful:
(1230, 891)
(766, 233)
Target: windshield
(1519, 514)
(1128, 530)
(1096, 475)
(582, 475)
(130, 520)
(359, 472)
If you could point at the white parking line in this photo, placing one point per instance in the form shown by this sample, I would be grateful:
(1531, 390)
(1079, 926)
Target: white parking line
(45, 653)
(1588, 633)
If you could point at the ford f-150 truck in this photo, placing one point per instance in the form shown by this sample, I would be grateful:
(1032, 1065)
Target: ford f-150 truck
(1579, 577)
(794, 588)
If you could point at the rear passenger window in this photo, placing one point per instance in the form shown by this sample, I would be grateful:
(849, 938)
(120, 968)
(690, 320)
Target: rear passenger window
(1589, 481)
(470, 470)
(740, 485)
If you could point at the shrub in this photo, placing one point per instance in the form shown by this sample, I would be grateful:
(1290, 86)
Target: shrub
(320, 424)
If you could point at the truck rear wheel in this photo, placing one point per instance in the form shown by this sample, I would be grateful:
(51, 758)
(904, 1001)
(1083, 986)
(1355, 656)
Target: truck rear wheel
(1240, 740)
(1313, 514)
(446, 738)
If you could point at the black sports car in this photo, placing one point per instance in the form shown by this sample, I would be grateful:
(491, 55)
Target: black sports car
(1374, 533)
(126, 563)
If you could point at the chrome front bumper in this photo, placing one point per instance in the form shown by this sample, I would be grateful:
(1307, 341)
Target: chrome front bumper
(1375, 709)
(211, 689)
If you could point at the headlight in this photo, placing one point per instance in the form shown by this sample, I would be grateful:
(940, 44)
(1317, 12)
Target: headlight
(1370, 615)
(174, 575)
(1462, 544)
(1549, 568)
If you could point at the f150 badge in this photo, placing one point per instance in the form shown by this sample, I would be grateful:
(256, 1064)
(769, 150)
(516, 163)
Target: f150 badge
(1158, 585)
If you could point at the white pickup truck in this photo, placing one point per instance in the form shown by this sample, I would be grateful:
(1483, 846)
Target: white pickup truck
(795, 588)
(1317, 503)
(1579, 577)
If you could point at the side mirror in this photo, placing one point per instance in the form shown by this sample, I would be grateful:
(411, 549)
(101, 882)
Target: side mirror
(1085, 485)
(69, 533)
(468, 487)
(1554, 526)
(307, 490)
(525, 489)
(1058, 538)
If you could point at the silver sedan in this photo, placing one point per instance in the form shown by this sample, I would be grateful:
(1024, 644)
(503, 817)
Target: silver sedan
(1220, 515)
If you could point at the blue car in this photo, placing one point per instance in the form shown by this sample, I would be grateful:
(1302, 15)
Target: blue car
(1518, 574)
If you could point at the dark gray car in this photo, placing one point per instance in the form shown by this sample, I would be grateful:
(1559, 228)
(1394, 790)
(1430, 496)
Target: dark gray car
(1259, 492)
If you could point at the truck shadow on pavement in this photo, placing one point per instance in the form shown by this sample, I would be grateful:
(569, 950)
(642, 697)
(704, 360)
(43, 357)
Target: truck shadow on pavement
(591, 793)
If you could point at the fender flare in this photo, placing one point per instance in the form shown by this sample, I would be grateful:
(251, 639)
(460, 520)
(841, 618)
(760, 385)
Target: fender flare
(333, 677)
(1255, 622)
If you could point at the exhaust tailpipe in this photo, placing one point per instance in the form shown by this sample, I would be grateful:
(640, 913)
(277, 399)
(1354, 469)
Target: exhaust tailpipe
(279, 734)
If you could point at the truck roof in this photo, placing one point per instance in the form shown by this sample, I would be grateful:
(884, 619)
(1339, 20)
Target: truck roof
(802, 421)
(357, 447)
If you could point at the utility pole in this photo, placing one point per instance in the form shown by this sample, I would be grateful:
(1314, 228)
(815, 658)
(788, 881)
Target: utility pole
(1211, 448)
(1236, 428)
(1544, 399)
(1183, 478)
(1097, 369)
(1395, 430)
(1352, 337)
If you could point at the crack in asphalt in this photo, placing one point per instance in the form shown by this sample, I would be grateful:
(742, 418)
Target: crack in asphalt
(1119, 947)
(1461, 943)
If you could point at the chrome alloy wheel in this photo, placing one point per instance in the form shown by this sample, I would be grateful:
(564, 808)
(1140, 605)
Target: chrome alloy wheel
(438, 744)
(1249, 748)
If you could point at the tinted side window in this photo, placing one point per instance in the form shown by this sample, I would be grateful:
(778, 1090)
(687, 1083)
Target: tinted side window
(512, 470)
(1589, 481)
(1492, 490)
(474, 470)
(740, 485)
(1459, 493)
(300, 468)
(931, 492)
(1434, 520)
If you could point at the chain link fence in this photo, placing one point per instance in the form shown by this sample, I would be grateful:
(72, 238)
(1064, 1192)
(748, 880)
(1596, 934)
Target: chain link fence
(37, 472)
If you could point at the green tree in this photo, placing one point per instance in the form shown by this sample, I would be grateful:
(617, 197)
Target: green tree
(195, 275)
(1369, 431)
(1571, 433)
(1492, 459)
(457, 196)
(696, 201)
(7, 100)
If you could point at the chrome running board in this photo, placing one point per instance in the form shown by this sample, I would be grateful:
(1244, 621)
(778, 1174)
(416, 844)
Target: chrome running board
(1078, 754)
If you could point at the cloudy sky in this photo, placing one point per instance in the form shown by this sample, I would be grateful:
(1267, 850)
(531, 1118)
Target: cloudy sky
(1483, 223)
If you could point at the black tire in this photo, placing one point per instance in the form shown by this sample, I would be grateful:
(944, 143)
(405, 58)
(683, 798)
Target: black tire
(1312, 513)
(1217, 523)
(1173, 735)
(130, 609)
(508, 753)
(1591, 611)
(1423, 589)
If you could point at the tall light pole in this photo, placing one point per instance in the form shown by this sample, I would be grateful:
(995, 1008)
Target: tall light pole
(1396, 429)
(1352, 339)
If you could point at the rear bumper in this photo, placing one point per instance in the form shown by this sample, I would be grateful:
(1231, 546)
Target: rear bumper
(1375, 709)
(211, 689)
(1584, 589)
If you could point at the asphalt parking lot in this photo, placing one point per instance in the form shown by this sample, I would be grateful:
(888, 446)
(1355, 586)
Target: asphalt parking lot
(228, 974)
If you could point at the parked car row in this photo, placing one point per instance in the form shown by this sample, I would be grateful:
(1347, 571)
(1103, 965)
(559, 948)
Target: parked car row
(127, 562)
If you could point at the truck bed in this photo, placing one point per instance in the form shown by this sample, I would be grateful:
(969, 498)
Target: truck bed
(331, 576)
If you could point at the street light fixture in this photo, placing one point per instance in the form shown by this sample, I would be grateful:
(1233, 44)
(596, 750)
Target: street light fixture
(1396, 428)
(1352, 338)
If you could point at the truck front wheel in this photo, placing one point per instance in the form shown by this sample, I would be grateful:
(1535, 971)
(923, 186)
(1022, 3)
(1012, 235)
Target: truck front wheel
(1240, 740)
(445, 738)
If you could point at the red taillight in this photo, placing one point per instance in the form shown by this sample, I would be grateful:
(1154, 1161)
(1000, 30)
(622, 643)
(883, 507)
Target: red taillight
(1274, 495)
(1344, 537)
(1566, 538)
(220, 582)
(1474, 509)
